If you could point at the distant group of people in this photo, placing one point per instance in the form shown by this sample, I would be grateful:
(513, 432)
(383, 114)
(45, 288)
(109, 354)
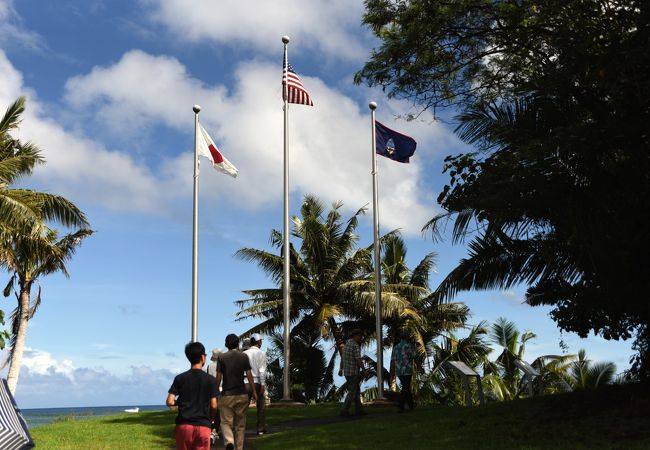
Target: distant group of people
(218, 398)
(354, 371)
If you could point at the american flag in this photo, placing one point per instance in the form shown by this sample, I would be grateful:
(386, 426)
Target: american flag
(295, 90)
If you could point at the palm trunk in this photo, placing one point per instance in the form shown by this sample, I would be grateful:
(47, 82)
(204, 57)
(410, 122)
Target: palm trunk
(21, 335)
(392, 378)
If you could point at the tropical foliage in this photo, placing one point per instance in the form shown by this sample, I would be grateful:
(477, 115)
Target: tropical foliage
(434, 316)
(502, 377)
(22, 207)
(437, 381)
(332, 285)
(585, 374)
(332, 291)
(553, 97)
(29, 248)
(29, 257)
(312, 377)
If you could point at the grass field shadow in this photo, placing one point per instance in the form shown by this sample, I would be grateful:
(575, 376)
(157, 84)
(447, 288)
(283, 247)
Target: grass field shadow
(159, 424)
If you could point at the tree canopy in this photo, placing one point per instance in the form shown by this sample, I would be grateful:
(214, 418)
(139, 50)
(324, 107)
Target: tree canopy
(555, 98)
(465, 52)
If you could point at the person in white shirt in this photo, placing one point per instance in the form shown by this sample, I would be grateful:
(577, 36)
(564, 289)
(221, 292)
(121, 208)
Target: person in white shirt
(257, 359)
(212, 367)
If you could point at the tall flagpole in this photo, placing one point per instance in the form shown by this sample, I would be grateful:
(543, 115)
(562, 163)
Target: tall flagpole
(286, 393)
(375, 228)
(195, 229)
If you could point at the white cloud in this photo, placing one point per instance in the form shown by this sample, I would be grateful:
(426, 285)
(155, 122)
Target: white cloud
(329, 144)
(78, 167)
(11, 86)
(331, 27)
(93, 387)
(513, 296)
(139, 91)
(46, 381)
(12, 31)
(42, 363)
(87, 170)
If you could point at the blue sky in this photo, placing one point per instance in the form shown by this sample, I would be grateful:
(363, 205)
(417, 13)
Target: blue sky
(110, 88)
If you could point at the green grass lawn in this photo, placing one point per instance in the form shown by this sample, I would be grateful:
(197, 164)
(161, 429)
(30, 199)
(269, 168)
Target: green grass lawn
(147, 430)
(618, 418)
(544, 423)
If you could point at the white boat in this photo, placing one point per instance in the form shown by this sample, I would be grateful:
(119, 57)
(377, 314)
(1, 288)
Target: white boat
(132, 410)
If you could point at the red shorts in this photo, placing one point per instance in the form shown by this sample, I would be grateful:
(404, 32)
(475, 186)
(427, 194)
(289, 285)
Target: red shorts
(192, 437)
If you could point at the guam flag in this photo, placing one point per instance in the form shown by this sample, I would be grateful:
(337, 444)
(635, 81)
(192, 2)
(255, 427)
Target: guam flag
(393, 145)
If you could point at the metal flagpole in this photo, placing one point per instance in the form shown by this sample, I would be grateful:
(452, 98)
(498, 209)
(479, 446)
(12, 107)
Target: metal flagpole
(286, 393)
(375, 219)
(195, 229)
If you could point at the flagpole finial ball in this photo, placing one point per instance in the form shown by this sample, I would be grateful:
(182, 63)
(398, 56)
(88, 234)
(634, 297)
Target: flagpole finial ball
(285, 39)
(196, 109)
(372, 105)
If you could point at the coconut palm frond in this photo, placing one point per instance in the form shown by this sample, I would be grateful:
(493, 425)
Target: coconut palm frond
(19, 163)
(11, 118)
(268, 262)
(504, 333)
(421, 272)
(51, 207)
(10, 285)
(263, 309)
(599, 374)
(435, 226)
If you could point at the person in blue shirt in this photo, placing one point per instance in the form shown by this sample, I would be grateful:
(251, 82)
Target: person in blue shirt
(402, 363)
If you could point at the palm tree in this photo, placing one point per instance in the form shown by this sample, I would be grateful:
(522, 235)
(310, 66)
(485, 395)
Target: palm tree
(28, 257)
(21, 207)
(412, 285)
(503, 376)
(516, 242)
(553, 370)
(584, 374)
(442, 383)
(433, 316)
(28, 247)
(331, 281)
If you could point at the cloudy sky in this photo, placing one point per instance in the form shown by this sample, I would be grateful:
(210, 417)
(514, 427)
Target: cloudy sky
(110, 89)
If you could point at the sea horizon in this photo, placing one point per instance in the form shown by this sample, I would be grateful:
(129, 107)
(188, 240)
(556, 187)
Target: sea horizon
(36, 417)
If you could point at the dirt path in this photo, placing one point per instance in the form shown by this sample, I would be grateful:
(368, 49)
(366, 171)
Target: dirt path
(251, 437)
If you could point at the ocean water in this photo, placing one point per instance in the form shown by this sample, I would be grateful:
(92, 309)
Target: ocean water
(40, 416)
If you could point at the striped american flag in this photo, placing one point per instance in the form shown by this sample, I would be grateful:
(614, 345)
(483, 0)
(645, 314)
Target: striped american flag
(294, 89)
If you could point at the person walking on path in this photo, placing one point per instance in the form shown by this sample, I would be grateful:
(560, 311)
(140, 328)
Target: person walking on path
(211, 369)
(402, 362)
(353, 370)
(257, 359)
(195, 394)
(232, 366)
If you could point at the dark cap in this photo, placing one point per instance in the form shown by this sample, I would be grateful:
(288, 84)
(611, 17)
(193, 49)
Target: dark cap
(356, 332)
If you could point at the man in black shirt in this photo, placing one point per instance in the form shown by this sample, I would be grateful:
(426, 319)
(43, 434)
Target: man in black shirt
(231, 368)
(195, 394)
